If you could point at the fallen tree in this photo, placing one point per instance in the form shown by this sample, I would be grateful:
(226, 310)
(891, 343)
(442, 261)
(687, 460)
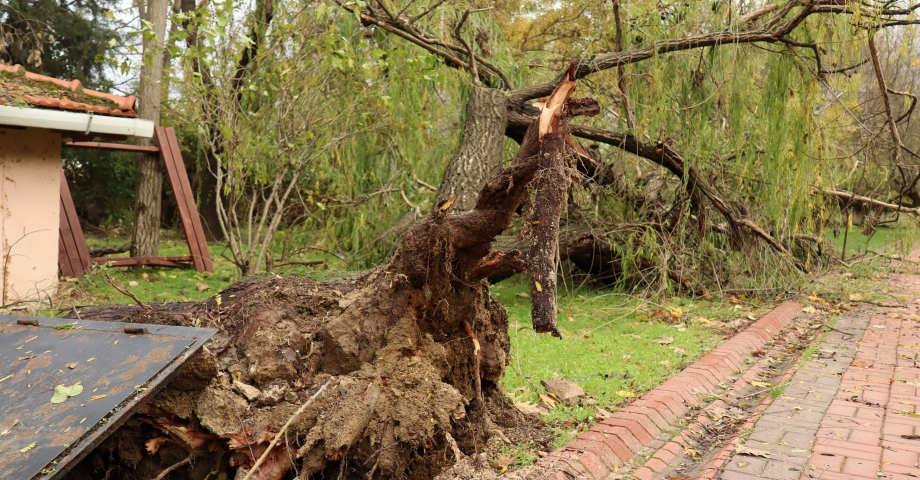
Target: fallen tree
(377, 377)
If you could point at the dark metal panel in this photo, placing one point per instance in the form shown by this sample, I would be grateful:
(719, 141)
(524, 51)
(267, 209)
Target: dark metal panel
(119, 372)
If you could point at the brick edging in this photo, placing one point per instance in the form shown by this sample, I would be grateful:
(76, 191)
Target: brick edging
(612, 442)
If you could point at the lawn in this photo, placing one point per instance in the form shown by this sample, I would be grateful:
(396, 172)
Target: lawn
(883, 238)
(615, 346)
(175, 284)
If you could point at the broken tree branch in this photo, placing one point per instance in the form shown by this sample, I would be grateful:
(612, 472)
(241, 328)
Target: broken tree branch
(892, 125)
(878, 203)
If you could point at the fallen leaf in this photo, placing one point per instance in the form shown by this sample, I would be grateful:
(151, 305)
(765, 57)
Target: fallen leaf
(63, 392)
(539, 287)
(625, 394)
(28, 447)
(7, 431)
(503, 461)
(72, 365)
(742, 464)
(201, 287)
(97, 397)
(678, 350)
(665, 341)
(809, 309)
(760, 384)
(754, 452)
(547, 401)
(132, 283)
(528, 408)
(523, 294)
(603, 413)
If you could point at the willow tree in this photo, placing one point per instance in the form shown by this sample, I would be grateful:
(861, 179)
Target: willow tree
(729, 99)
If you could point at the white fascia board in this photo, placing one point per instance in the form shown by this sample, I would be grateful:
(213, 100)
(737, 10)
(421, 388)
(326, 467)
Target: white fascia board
(75, 122)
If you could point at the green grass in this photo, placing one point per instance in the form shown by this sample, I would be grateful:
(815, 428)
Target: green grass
(172, 284)
(610, 345)
(884, 238)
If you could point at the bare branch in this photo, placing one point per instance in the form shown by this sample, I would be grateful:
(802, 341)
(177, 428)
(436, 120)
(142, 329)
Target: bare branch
(849, 196)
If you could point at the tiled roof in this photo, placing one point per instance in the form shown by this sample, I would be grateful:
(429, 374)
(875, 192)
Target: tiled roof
(47, 92)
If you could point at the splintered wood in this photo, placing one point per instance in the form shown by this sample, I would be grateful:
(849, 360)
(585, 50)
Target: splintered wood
(556, 160)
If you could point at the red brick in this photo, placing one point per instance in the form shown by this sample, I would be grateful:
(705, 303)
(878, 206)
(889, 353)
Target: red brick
(899, 457)
(674, 447)
(682, 391)
(591, 463)
(622, 433)
(863, 437)
(706, 379)
(644, 474)
(847, 449)
(619, 447)
(858, 466)
(653, 415)
(664, 455)
(597, 447)
(646, 423)
(655, 406)
(656, 465)
(634, 427)
(667, 400)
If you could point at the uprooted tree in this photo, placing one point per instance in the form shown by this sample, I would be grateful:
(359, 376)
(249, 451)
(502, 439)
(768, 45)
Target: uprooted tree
(748, 169)
(404, 362)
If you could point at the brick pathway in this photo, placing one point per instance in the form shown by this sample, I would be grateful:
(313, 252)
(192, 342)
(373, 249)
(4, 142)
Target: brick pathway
(848, 415)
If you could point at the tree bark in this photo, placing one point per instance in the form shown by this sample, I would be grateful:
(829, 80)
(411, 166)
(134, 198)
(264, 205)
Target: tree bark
(146, 241)
(479, 156)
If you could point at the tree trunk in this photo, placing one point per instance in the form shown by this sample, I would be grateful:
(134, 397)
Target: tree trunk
(146, 242)
(207, 196)
(479, 156)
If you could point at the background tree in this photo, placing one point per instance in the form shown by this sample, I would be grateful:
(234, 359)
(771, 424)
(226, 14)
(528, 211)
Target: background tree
(147, 207)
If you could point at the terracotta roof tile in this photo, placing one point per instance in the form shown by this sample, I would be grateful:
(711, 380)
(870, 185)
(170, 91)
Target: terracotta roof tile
(47, 92)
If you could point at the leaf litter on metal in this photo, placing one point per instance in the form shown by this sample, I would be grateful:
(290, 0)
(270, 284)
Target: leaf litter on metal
(41, 419)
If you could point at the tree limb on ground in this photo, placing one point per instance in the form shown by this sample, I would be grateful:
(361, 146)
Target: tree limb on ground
(871, 201)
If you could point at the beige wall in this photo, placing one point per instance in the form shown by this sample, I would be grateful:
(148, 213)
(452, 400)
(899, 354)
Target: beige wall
(30, 176)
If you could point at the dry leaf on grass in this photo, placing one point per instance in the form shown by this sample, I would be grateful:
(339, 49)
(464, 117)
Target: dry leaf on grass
(665, 341)
(201, 287)
(547, 401)
(528, 408)
(603, 413)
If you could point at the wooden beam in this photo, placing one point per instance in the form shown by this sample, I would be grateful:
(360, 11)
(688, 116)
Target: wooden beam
(70, 236)
(137, 261)
(185, 199)
(119, 147)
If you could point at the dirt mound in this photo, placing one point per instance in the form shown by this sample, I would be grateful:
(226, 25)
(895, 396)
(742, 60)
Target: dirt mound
(396, 382)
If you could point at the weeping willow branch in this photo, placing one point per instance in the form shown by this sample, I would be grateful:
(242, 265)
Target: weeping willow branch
(772, 31)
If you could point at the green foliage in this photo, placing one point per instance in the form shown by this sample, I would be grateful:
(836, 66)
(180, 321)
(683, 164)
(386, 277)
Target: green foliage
(102, 184)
